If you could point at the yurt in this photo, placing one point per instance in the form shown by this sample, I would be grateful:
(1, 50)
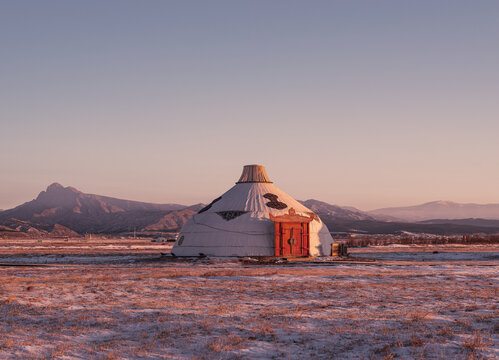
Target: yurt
(254, 218)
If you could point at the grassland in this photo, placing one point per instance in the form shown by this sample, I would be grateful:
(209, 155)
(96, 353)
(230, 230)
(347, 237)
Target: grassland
(117, 303)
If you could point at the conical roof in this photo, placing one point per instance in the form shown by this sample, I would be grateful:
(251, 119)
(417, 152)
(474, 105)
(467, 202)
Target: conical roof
(238, 222)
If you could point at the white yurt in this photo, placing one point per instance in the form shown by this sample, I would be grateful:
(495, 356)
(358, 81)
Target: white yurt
(254, 218)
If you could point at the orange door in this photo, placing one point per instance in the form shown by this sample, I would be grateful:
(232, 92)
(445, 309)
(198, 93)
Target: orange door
(292, 239)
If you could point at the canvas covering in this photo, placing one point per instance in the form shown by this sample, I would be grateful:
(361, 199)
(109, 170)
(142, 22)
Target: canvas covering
(250, 234)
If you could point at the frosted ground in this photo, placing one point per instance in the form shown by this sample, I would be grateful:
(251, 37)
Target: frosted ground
(125, 302)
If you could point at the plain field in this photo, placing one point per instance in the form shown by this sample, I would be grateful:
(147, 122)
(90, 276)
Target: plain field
(121, 299)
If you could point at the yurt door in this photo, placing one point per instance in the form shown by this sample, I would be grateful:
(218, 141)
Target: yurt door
(293, 240)
(292, 234)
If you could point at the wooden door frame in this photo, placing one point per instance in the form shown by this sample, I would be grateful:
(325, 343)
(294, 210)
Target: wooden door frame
(291, 217)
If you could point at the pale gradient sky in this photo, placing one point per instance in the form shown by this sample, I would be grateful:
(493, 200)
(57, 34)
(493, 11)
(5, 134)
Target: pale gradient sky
(361, 103)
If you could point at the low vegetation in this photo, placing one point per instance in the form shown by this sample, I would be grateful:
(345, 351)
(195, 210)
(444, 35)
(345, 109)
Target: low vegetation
(228, 310)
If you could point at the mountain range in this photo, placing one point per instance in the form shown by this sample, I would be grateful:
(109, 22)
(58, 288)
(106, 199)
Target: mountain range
(440, 210)
(66, 211)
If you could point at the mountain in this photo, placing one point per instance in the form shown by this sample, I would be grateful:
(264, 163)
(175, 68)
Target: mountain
(321, 208)
(351, 220)
(80, 212)
(440, 210)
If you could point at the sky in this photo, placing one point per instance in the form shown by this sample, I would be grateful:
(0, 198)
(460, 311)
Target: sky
(362, 103)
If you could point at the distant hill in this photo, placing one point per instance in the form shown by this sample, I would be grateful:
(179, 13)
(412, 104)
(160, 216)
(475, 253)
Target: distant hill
(440, 210)
(322, 208)
(82, 213)
(17, 228)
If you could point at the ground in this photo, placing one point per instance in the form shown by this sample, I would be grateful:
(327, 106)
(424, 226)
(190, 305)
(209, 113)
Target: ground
(115, 301)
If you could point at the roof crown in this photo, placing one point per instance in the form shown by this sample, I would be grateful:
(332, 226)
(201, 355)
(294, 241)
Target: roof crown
(254, 174)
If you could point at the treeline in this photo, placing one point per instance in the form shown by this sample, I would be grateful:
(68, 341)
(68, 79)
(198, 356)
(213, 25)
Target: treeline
(379, 240)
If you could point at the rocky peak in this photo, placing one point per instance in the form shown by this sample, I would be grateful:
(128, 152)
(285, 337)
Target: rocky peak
(57, 195)
(54, 187)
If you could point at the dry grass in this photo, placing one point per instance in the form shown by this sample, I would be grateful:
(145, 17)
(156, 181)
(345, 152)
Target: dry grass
(225, 343)
(230, 310)
(475, 343)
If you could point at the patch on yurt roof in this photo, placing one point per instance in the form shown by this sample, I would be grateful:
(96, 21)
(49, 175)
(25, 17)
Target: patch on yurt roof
(229, 215)
(274, 203)
(207, 207)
